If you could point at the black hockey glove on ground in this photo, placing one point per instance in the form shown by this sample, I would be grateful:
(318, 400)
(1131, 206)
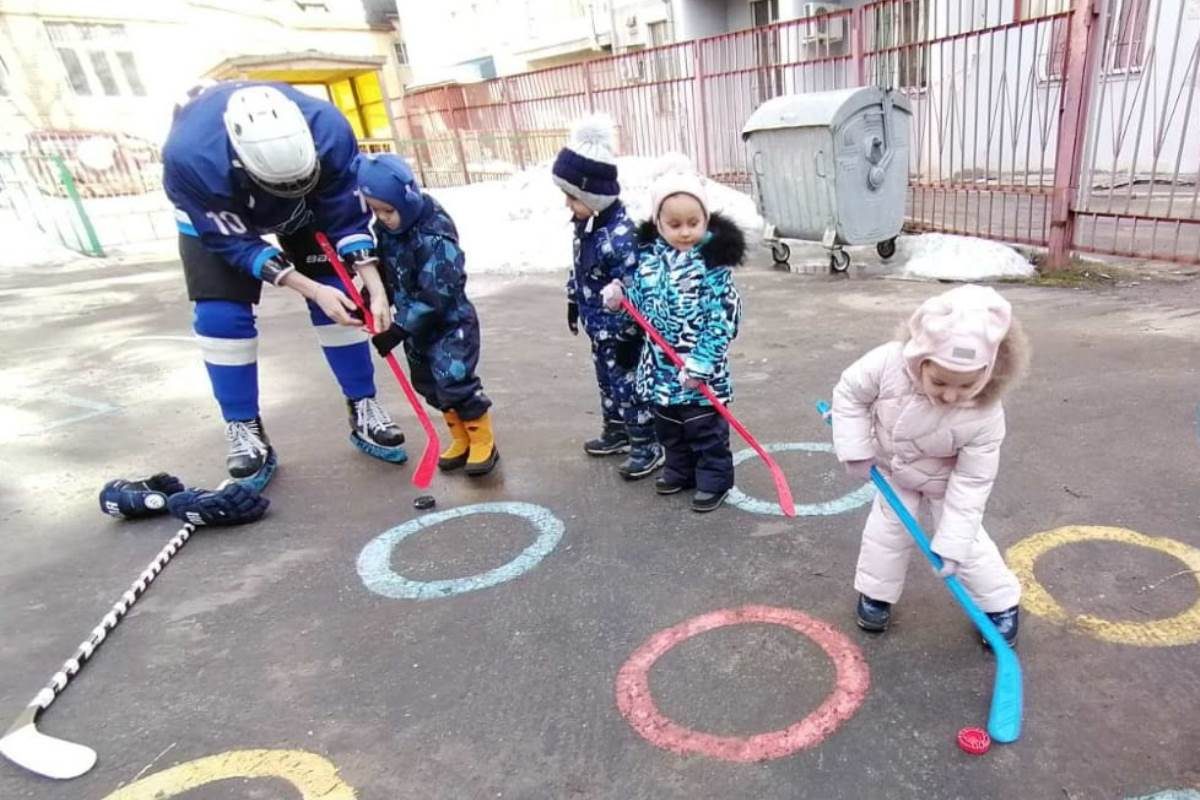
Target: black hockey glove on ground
(146, 497)
(236, 504)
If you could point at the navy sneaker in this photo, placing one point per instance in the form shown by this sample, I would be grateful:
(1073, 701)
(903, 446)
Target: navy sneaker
(873, 615)
(613, 440)
(1006, 622)
(644, 458)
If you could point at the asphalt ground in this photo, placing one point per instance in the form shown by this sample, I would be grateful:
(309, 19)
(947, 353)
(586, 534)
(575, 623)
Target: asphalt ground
(267, 638)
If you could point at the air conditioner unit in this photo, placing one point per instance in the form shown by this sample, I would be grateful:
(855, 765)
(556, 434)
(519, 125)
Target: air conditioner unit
(819, 26)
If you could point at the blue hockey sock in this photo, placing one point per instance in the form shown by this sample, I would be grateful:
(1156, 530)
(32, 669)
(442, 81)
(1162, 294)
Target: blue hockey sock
(229, 343)
(347, 350)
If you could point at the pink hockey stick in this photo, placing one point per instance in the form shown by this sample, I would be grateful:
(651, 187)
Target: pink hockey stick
(424, 473)
(781, 484)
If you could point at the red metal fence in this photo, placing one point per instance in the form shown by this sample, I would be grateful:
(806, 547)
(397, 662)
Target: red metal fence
(1062, 123)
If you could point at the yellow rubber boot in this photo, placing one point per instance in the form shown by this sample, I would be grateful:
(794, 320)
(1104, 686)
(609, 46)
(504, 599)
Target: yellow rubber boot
(484, 455)
(455, 456)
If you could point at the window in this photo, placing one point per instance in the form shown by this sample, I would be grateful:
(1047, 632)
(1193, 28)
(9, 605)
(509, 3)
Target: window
(660, 33)
(1056, 53)
(1032, 9)
(763, 12)
(401, 50)
(768, 78)
(3, 78)
(901, 33)
(1125, 46)
(1125, 38)
(96, 58)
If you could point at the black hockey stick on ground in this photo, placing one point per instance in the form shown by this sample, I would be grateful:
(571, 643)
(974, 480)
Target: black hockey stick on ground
(24, 744)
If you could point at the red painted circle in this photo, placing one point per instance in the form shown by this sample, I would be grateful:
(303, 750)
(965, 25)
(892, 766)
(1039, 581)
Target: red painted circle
(974, 741)
(850, 689)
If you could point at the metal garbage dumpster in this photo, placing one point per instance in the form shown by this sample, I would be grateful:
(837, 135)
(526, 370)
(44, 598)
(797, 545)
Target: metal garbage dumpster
(831, 167)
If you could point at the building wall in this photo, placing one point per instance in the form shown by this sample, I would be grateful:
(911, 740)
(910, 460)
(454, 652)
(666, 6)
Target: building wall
(643, 14)
(994, 110)
(695, 19)
(161, 35)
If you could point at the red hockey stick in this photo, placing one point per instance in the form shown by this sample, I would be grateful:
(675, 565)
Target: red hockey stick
(781, 484)
(424, 474)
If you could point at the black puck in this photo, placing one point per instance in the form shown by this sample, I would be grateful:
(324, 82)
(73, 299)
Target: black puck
(424, 501)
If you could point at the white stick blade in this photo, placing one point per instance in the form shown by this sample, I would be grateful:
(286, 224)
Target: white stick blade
(55, 758)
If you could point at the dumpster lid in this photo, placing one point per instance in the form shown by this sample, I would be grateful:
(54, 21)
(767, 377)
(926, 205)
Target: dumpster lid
(824, 109)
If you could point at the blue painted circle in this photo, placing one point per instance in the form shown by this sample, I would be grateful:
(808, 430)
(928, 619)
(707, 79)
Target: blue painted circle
(375, 560)
(847, 502)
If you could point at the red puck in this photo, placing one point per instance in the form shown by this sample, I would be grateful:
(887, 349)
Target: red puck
(974, 741)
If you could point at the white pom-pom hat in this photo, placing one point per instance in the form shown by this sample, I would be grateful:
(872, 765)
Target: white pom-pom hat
(674, 174)
(586, 168)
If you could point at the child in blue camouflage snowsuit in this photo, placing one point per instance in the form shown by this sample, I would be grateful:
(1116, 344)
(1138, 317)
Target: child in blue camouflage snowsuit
(424, 271)
(684, 287)
(605, 250)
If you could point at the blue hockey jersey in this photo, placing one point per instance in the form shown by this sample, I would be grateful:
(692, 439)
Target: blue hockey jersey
(219, 203)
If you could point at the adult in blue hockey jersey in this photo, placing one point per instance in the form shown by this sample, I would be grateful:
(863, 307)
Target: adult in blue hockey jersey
(425, 271)
(247, 159)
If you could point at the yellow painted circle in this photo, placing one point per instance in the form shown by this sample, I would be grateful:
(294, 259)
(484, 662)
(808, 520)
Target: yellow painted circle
(314, 777)
(1181, 629)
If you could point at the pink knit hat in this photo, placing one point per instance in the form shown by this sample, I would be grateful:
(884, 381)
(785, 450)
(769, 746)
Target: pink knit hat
(959, 330)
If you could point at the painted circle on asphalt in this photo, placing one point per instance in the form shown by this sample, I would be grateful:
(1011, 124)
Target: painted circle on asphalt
(847, 502)
(314, 777)
(1181, 629)
(375, 560)
(850, 689)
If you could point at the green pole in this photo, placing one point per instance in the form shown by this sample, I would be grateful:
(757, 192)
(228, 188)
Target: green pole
(64, 175)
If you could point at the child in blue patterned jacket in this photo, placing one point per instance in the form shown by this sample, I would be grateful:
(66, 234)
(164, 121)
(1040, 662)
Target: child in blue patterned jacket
(684, 287)
(605, 249)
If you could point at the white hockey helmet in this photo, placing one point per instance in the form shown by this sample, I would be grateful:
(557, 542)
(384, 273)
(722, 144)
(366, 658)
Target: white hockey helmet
(272, 140)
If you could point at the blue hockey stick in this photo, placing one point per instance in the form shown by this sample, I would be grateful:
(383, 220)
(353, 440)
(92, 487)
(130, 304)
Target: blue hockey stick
(1008, 693)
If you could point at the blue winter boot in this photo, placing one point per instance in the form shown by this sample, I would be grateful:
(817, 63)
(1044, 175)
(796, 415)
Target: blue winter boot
(873, 615)
(1006, 622)
(645, 456)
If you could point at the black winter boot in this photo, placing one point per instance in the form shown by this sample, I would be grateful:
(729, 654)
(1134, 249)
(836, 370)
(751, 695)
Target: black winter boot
(703, 502)
(873, 615)
(665, 486)
(612, 441)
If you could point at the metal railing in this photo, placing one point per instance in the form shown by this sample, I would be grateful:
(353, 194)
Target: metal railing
(1072, 125)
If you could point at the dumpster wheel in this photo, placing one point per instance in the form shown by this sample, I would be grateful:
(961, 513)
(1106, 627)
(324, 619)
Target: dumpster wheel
(780, 252)
(886, 248)
(839, 261)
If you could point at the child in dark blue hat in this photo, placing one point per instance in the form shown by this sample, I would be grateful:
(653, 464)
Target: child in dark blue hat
(424, 270)
(605, 250)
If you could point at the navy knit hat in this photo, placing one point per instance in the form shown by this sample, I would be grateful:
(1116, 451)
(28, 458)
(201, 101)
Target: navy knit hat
(586, 168)
(388, 178)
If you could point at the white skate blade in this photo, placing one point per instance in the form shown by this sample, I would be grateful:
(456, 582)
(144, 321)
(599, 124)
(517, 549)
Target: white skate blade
(28, 747)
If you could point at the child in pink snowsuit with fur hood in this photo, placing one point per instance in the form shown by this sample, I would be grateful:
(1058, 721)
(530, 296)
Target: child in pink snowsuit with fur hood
(926, 411)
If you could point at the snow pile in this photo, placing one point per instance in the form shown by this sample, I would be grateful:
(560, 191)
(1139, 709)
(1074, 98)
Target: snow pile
(521, 224)
(960, 258)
